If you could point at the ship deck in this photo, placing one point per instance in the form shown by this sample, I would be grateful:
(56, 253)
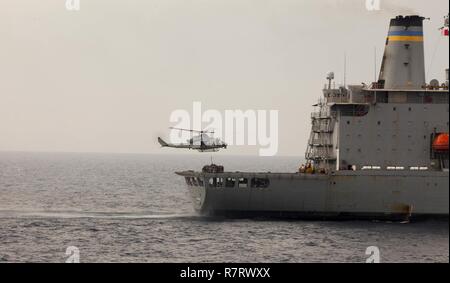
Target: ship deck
(398, 173)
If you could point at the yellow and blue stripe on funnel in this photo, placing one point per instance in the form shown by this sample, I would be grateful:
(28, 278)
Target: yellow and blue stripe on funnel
(406, 35)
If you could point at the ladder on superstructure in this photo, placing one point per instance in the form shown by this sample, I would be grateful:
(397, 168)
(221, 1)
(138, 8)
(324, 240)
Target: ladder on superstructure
(320, 144)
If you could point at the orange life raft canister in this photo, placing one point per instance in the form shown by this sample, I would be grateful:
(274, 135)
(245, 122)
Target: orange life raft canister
(440, 143)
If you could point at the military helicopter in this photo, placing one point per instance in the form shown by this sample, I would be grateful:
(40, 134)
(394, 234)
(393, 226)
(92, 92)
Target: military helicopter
(202, 142)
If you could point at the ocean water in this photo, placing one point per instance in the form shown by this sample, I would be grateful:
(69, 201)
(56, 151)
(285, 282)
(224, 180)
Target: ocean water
(133, 208)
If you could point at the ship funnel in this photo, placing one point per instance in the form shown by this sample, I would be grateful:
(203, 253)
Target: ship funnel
(403, 64)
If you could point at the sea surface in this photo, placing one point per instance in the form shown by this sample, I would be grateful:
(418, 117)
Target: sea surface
(133, 208)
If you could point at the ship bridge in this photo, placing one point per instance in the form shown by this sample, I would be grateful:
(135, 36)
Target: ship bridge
(391, 124)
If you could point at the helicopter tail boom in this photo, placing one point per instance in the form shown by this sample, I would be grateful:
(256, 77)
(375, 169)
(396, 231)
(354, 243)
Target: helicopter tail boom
(162, 142)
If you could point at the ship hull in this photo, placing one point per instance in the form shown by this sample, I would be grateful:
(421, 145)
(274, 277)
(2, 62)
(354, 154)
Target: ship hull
(375, 195)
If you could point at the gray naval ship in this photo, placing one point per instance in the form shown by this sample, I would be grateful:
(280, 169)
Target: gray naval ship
(377, 151)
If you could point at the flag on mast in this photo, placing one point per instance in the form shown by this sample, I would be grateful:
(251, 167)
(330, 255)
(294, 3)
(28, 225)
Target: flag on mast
(445, 27)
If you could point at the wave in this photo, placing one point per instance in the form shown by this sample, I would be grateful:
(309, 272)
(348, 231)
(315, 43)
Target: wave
(95, 215)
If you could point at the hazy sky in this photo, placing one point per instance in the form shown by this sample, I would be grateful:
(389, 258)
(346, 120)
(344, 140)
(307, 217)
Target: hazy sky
(106, 78)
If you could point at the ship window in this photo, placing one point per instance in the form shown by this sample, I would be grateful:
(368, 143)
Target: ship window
(243, 183)
(230, 183)
(351, 167)
(395, 108)
(260, 183)
(410, 109)
(211, 181)
(348, 122)
(379, 123)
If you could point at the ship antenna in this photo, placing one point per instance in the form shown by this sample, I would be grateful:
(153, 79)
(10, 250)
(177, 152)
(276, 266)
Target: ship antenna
(375, 82)
(444, 30)
(345, 69)
(375, 64)
(436, 47)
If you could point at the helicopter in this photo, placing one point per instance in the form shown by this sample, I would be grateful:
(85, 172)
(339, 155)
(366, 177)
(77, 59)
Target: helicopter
(202, 142)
